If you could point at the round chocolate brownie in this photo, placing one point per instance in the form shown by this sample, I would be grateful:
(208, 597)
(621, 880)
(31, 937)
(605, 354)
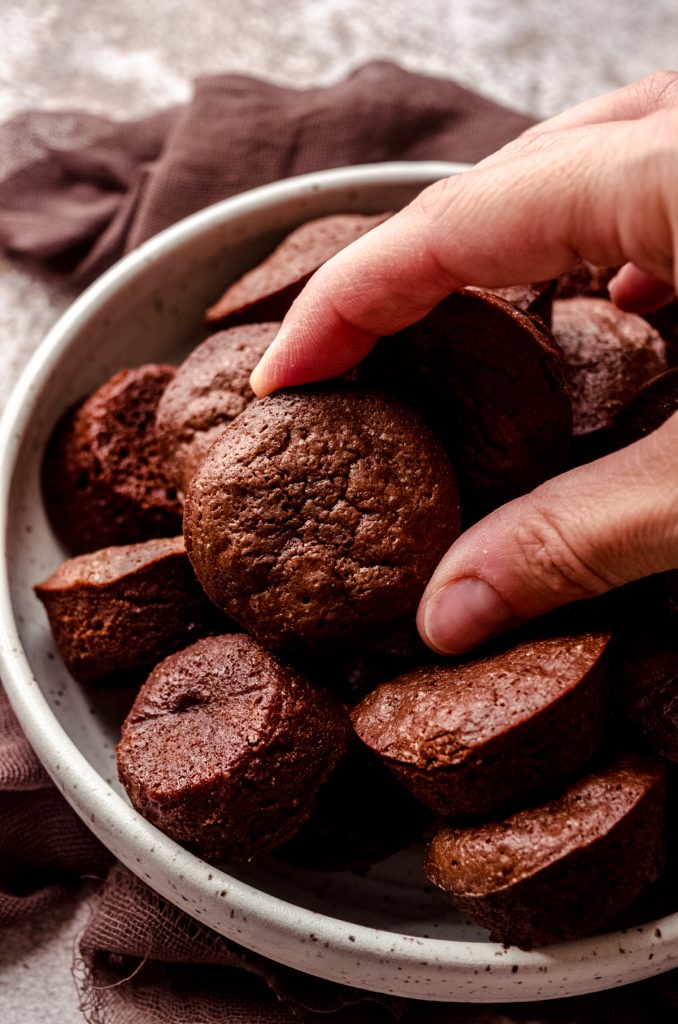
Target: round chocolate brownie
(362, 816)
(122, 609)
(317, 518)
(268, 290)
(476, 737)
(104, 478)
(608, 354)
(490, 380)
(209, 390)
(354, 673)
(561, 870)
(226, 747)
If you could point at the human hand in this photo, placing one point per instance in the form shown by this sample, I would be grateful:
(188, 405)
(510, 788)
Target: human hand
(598, 183)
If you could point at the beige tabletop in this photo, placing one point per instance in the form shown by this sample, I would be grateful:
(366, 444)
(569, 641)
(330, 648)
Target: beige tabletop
(127, 58)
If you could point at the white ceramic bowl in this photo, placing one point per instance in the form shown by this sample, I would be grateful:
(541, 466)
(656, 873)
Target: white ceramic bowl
(387, 931)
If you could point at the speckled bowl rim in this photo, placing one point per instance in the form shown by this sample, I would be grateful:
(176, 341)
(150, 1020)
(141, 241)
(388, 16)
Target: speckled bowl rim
(261, 921)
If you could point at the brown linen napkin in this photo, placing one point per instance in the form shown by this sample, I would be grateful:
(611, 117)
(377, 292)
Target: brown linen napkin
(80, 209)
(143, 961)
(81, 191)
(44, 847)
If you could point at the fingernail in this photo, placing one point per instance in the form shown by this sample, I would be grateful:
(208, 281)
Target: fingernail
(463, 614)
(259, 382)
(612, 283)
(262, 380)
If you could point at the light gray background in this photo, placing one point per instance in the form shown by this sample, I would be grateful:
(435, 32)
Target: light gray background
(127, 58)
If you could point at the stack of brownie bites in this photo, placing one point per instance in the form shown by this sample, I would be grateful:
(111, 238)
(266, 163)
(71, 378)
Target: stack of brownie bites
(286, 702)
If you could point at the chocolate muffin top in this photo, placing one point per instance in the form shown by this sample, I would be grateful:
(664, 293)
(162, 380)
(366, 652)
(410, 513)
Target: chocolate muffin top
(608, 354)
(226, 747)
(319, 515)
(209, 390)
(104, 478)
(490, 857)
(490, 379)
(276, 282)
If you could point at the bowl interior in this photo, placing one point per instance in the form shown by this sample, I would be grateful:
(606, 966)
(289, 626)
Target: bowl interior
(157, 317)
(149, 308)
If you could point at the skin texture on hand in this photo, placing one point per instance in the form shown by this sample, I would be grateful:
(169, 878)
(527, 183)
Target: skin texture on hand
(598, 183)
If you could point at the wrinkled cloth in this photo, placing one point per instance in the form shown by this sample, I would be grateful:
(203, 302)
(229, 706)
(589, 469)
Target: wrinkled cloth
(79, 208)
(45, 849)
(78, 192)
(143, 961)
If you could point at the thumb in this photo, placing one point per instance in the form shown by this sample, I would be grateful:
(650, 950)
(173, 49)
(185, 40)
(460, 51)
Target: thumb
(576, 536)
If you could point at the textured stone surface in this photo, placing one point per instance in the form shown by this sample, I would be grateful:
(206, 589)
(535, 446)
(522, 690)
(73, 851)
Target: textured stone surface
(128, 58)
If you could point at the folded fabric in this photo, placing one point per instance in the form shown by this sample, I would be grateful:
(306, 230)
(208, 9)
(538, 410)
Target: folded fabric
(81, 208)
(143, 960)
(45, 849)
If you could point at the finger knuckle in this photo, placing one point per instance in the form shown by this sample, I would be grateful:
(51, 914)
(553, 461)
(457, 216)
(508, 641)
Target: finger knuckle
(435, 198)
(660, 88)
(552, 562)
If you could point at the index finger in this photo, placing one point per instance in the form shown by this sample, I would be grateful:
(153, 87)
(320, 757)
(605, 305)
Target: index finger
(605, 194)
(638, 99)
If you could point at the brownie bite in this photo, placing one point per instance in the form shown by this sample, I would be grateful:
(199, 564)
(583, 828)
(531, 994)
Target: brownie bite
(665, 320)
(562, 870)
(585, 278)
(317, 518)
(647, 683)
(104, 477)
(649, 695)
(226, 747)
(121, 610)
(354, 673)
(609, 355)
(483, 735)
(268, 290)
(535, 299)
(362, 816)
(209, 390)
(647, 410)
(490, 380)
